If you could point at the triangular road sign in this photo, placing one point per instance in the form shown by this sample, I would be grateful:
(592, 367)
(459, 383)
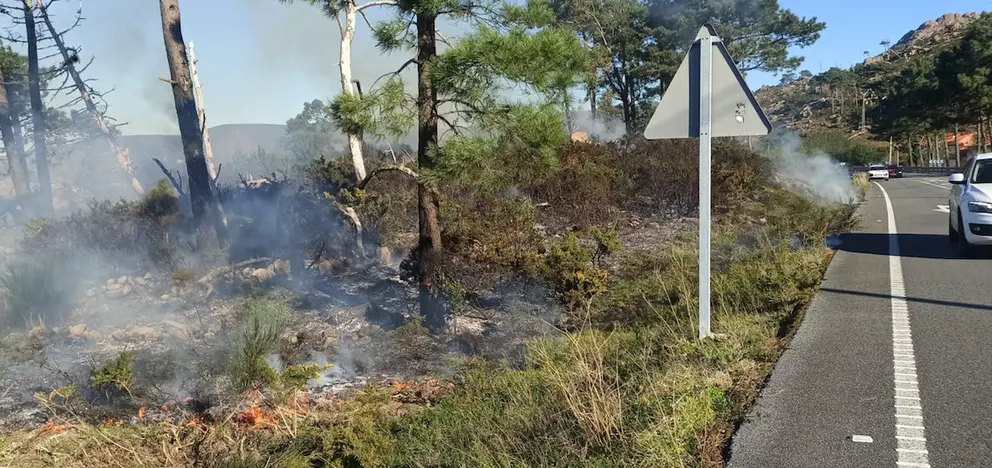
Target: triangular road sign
(735, 111)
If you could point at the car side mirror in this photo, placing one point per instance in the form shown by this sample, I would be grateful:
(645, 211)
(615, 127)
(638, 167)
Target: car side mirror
(956, 179)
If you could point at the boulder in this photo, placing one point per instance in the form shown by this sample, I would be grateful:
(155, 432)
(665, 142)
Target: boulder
(177, 330)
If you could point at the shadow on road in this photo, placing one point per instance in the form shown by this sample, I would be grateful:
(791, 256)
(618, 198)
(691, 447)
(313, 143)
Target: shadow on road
(910, 245)
(963, 305)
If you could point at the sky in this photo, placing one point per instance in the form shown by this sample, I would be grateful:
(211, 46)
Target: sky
(260, 60)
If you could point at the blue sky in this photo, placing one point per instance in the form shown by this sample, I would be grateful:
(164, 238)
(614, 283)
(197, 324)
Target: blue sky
(260, 60)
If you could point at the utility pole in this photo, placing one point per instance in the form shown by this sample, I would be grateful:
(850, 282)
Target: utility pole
(890, 153)
(207, 152)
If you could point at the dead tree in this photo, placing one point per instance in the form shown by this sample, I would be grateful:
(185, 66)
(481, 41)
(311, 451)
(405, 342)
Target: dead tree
(123, 158)
(201, 113)
(38, 114)
(205, 207)
(15, 153)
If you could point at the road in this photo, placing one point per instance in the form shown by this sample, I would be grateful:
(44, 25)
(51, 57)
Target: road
(892, 364)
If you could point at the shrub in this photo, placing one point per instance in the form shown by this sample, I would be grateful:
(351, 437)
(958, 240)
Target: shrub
(36, 292)
(665, 175)
(264, 320)
(116, 375)
(587, 188)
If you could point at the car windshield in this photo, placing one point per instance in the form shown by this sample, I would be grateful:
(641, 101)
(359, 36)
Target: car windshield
(983, 172)
(875, 168)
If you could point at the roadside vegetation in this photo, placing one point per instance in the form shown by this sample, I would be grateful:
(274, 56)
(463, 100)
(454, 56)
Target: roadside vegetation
(507, 293)
(625, 384)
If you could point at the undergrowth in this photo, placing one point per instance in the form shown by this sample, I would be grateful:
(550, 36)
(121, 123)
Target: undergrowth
(628, 384)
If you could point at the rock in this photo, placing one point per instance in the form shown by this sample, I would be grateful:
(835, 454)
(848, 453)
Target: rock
(209, 335)
(148, 276)
(263, 274)
(327, 265)
(281, 266)
(139, 281)
(177, 330)
(385, 256)
(127, 290)
(115, 293)
(77, 331)
(122, 279)
(165, 297)
(140, 332)
(248, 271)
(110, 281)
(114, 287)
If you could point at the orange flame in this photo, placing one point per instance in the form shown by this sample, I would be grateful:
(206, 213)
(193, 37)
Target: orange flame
(141, 413)
(50, 427)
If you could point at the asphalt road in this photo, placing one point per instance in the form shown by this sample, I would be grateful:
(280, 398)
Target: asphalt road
(836, 385)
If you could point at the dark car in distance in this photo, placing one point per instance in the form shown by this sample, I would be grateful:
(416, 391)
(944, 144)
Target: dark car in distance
(894, 171)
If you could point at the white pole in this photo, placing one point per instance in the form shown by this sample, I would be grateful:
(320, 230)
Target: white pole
(705, 117)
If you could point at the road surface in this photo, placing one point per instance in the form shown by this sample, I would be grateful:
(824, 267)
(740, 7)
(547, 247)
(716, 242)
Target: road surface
(892, 365)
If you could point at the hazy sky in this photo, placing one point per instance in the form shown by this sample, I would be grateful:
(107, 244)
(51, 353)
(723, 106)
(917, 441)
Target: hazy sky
(259, 60)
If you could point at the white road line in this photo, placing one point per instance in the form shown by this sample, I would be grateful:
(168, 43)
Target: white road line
(946, 187)
(910, 443)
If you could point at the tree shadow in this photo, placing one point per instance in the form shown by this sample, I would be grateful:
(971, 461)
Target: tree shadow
(934, 246)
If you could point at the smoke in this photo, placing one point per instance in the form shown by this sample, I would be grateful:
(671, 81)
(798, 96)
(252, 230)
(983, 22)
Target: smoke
(816, 174)
(603, 128)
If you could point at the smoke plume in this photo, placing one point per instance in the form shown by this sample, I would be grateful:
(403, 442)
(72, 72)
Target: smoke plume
(816, 174)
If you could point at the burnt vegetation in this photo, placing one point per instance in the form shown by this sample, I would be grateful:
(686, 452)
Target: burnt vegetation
(497, 294)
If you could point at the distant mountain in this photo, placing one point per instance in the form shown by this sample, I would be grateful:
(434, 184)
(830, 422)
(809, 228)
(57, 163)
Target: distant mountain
(93, 168)
(808, 102)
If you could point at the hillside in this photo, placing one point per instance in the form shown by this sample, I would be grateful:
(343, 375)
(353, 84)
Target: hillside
(833, 98)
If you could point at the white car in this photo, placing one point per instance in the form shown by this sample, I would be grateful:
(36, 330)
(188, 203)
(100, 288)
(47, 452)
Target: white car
(970, 221)
(878, 171)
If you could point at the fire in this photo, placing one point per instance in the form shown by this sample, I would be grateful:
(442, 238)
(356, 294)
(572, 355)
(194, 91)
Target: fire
(52, 428)
(255, 418)
(141, 414)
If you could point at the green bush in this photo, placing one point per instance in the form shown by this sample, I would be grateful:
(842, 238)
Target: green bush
(36, 292)
(264, 321)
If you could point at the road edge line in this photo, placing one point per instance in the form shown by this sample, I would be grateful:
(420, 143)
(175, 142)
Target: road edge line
(911, 442)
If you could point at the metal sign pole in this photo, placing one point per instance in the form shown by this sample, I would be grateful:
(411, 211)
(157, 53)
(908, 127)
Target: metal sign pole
(705, 153)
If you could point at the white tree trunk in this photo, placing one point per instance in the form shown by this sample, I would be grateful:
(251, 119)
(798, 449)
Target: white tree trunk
(198, 92)
(347, 36)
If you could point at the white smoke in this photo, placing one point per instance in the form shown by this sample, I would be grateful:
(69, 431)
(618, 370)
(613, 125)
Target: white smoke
(816, 174)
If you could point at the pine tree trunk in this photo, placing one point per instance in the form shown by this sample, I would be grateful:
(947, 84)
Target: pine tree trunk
(45, 201)
(592, 110)
(15, 155)
(344, 62)
(205, 209)
(429, 250)
(123, 158)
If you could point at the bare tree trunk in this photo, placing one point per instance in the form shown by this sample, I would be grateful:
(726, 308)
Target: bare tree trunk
(201, 114)
(205, 208)
(123, 158)
(344, 62)
(980, 145)
(429, 248)
(957, 147)
(890, 153)
(15, 155)
(592, 110)
(45, 200)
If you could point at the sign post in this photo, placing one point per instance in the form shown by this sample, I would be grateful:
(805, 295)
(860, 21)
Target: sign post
(707, 98)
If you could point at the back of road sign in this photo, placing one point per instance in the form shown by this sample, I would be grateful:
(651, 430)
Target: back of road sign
(735, 111)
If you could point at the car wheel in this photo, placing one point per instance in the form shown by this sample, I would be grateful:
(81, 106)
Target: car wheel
(952, 234)
(967, 250)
